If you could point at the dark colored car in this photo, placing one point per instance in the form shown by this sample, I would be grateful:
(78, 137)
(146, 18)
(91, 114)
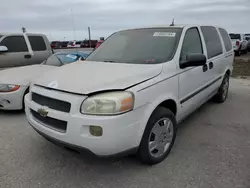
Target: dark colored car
(55, 44)
(64, 44)
(86, 44)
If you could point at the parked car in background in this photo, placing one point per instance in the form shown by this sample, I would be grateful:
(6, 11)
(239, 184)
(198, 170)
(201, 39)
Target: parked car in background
(239, 43)
(247, 37)
(86, 44)
(23, 49)
(55, 44)
(15, 82)
(129, 96)
(74, 44)
(99, 43)
(64, 44)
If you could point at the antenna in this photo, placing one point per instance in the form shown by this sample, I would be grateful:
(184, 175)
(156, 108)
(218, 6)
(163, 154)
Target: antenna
(172, 24)
(23, 29)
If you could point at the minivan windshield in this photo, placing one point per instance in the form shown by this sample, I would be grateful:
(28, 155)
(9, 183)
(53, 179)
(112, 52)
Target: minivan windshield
(234, 36)
(139, 46)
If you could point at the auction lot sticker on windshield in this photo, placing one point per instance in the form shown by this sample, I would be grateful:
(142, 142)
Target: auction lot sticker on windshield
(164, 34)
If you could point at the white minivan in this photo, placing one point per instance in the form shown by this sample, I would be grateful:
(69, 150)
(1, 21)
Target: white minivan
(132, 91)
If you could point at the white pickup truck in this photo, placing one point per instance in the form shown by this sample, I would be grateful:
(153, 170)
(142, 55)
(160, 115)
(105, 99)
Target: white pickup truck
(239, 43)
(23, 49)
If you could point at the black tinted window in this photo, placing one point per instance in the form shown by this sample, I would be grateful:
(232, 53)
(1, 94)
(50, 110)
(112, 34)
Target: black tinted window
(15, 44)
(78, 42)
(226, 39)
(37, 43)
(212, 40)
(140, 46)
(192, 43)
(235, 36)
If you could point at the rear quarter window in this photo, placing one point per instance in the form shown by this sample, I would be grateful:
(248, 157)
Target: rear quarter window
(37, 43)
(226, 39)
(212, 40)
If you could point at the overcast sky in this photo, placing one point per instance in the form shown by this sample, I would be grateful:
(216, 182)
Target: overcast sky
(55, 18)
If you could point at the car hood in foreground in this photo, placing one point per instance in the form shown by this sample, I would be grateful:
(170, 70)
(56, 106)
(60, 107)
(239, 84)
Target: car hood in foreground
(87, 77)
(23, 75)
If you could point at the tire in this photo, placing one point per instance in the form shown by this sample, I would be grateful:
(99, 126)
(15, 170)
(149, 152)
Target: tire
(237, 53)
(222, 94)
(162, 116)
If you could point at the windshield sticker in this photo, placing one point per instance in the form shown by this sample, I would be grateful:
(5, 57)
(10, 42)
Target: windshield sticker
(71, 56)
(164, 34)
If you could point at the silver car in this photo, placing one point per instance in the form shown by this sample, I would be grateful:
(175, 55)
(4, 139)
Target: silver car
(23, 49)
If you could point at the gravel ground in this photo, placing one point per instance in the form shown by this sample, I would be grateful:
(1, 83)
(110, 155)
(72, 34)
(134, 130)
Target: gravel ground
(242, 66)
(212, 150)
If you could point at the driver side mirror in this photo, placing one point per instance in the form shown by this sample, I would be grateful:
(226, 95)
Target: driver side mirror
(193, 60)
(3, 49)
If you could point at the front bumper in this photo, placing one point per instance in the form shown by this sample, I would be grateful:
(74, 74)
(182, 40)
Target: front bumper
(12, 100)
(120, 132)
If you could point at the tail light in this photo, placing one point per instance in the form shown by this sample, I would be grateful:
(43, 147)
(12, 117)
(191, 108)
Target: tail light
(237, 43)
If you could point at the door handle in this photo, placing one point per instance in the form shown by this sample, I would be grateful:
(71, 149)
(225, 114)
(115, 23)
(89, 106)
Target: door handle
(211, 65)
(205, 68)
(27, 56)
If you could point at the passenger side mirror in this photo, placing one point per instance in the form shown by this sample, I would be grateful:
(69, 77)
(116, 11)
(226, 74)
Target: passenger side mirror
(3, 49)
(193, 60)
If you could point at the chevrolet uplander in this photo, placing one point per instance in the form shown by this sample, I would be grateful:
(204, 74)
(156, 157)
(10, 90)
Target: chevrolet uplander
(132, 91)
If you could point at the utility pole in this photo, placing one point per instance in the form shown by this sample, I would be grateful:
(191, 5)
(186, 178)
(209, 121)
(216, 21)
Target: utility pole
(89, 37)
(73, 22)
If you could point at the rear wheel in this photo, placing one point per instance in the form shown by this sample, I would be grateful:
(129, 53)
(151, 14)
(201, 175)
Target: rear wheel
(245, 51)
(237, 53)
(222, 94)
(158, 137)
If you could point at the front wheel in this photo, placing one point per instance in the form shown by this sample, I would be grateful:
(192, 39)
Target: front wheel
(222, 94)
(158, 137)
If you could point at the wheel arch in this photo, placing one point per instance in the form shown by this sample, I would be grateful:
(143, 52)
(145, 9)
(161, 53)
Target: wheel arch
(169, 102)
(26, 92)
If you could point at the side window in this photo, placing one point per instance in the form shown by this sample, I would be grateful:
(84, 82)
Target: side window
(37, 43)
(191, 44)
(226, 39)
(15, 44)
(212, 39)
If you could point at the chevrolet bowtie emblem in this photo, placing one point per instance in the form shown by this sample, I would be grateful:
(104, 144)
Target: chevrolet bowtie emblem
(43, 112)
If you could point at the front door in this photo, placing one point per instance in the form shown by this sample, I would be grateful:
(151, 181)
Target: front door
(17, 54)
(192, 80)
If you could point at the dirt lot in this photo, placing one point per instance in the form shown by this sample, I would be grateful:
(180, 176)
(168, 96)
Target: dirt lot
(242, 66)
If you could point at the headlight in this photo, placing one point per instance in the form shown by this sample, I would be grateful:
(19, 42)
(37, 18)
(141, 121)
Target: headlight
(8, 87)
(109, 103)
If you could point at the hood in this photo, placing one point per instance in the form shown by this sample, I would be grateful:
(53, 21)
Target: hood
(88, 77)
(23, 75)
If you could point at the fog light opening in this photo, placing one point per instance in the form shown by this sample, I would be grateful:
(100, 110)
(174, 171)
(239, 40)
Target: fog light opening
(95, 130)
(4, 103)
